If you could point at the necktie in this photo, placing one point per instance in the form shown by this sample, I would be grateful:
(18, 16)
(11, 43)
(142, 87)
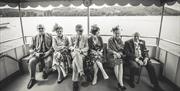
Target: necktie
(42, 48)
(78, 40)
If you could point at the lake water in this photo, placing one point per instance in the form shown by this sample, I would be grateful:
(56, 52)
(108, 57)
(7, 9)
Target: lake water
(146, 25)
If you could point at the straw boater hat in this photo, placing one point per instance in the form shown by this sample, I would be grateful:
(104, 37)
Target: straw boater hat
(79, 27)
(56, 26)
(40, 26)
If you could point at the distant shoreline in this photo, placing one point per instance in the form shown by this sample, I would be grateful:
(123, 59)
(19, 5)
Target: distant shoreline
(105, 11)
(93, 16)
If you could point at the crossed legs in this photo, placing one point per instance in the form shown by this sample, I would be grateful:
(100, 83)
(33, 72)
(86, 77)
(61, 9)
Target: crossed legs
(98, 65)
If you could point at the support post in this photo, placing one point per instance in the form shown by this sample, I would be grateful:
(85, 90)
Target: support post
(20, 17)
(160, 30)
(88, 19)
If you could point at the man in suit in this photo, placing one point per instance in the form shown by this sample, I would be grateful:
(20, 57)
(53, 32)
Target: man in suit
(79, 48)
(136, 54)
(40, 51)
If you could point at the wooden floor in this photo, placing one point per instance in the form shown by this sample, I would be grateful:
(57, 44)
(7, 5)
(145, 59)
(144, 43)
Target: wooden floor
(20, 84)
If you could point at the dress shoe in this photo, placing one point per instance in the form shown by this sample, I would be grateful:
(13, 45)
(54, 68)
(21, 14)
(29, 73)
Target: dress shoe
(31, 83)
(83, 78)
(94, 80)
(59, 81)
(132, 85)
(157, 88)
(121, 87)
(94, 83)
(75, 86)
(107, 77)
(45, 75)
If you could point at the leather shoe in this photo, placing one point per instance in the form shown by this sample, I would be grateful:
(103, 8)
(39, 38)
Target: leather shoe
(132, 85)
(45, 75)
(75, 86)
(121, 87)
(158, 88)
(31, 83)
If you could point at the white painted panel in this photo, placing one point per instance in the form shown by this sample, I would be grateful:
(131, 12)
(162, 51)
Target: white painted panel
(178, 75)
(26, 49)
(162, 56)
(2, 69)
(152, 51)
(171, 67)
(11, 53)
(11, 66)
(19, 51)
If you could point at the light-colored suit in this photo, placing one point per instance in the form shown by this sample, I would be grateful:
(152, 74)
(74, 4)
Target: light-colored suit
(36, 47)
(78, 52)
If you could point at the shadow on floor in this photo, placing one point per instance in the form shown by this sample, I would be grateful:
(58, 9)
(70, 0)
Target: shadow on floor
(50, 84)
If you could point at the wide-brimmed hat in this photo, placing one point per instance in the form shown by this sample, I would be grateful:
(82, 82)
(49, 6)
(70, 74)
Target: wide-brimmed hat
(79, 27)
(40, 26)
(56, 26)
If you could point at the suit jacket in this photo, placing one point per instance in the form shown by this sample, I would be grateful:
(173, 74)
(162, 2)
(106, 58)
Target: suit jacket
(83, 43)
(36, 41)
(130, 49)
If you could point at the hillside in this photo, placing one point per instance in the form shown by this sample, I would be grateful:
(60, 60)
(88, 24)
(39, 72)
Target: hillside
(105, 11)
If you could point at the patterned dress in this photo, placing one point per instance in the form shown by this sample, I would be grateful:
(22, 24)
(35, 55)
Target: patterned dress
(62, 52)
(95, 53)
(95, 48)
(115, 45)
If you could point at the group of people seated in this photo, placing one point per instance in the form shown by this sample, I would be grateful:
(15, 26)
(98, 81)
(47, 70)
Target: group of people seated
(58, 53)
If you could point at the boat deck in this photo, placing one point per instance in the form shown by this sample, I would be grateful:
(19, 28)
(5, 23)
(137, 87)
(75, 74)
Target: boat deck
(50, 84)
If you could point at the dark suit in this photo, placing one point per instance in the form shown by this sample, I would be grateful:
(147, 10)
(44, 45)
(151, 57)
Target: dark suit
(130, 57)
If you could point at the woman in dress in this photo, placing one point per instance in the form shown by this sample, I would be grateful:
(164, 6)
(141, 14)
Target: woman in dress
(62, 57)
(96, 53)
(115, 47)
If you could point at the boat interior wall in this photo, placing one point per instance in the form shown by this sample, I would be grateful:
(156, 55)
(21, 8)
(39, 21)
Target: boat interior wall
(177, 80)
(9, 61)
(8, 67)
(171, 65)
(162, 56)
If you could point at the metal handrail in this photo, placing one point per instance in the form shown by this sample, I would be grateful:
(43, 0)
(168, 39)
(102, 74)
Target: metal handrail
(172, 42)
(72, 34)
(5, 55)
(10, 40)
(131, 36)
(169, 41)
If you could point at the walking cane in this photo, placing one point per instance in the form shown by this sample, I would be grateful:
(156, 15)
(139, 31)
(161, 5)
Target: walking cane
(139, 75)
